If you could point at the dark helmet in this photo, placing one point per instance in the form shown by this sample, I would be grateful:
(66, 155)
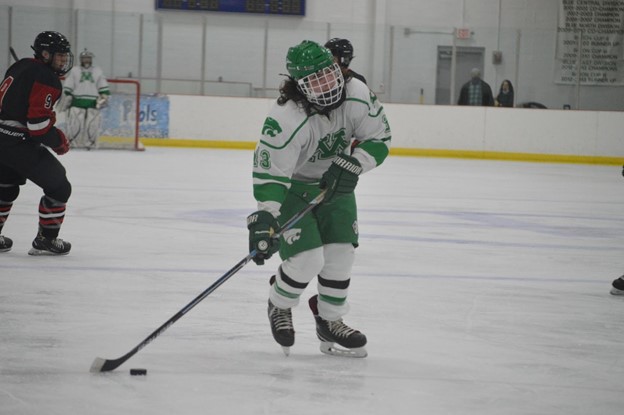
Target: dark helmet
(342, 49)
(53, 42)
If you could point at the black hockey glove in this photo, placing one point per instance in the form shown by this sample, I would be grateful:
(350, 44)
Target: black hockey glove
(262, 225)
(341, 177)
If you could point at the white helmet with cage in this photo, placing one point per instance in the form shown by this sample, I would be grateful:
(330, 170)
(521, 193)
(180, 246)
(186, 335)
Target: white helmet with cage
(86, 58)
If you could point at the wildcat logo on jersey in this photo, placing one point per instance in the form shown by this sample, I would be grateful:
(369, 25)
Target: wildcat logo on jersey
(373, 97)
(86, 76)
(271, 127)
(330, 145)
(292, 235)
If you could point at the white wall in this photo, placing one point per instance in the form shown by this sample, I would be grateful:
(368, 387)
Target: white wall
(397, 66)
(476, 129)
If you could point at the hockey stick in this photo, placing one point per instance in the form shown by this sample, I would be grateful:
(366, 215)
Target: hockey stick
(106, 365)
(13, 53)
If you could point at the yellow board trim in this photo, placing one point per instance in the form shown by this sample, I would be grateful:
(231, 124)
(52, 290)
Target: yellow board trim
(499, 155)
(408, 152)
(177, 142)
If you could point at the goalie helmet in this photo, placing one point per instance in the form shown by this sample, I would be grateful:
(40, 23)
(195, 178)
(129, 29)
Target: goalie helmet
(341, 49)
(53, 43)
(86, 58)
(318, 77)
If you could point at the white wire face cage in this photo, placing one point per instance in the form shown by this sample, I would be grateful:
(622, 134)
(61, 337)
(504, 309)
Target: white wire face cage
(324, 87)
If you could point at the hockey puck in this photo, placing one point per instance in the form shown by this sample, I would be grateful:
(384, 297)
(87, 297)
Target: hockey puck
(138, 372)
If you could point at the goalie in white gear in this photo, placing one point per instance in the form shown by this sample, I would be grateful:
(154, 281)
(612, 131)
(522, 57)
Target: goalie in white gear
(86, 91)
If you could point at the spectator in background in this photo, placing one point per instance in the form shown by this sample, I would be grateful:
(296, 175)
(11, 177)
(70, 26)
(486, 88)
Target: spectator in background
(476, 92)
(342, 50)
(505, 97)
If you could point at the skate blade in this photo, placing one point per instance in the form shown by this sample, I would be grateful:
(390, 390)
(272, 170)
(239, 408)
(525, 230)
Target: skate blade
(43, 252)
(286, 350)
(615, 291)
(331, 349)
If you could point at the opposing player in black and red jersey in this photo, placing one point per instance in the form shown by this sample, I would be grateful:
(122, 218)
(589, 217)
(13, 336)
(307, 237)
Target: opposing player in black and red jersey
(28, 93)
(342, 50)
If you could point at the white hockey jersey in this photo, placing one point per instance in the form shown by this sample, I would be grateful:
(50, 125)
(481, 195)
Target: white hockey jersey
(85, 85)
(298, 147)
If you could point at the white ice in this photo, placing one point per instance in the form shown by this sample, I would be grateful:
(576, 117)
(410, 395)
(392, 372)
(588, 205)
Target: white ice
(482, 286)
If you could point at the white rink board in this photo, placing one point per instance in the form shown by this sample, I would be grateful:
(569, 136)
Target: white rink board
(517, 130)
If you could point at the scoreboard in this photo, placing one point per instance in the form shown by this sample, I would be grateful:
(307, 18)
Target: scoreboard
(279, 7)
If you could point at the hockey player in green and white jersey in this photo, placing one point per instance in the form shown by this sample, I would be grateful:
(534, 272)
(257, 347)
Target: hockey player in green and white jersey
(86, 91)
(306, 147)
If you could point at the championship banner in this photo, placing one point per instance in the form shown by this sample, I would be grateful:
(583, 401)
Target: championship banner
(118, 117)
(590, 37)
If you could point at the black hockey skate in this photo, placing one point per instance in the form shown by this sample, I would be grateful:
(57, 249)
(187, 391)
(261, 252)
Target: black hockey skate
(617, 286)
(5, 244)
(282, 326)
(49, 246)
(331, 332)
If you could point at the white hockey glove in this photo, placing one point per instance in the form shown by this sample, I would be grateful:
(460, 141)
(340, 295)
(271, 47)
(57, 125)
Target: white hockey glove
(101, 101)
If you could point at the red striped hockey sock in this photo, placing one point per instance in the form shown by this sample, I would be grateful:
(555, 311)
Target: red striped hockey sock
(51, 216)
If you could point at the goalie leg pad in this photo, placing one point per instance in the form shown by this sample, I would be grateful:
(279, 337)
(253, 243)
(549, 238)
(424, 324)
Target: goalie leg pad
(92, 130)
(75, 126)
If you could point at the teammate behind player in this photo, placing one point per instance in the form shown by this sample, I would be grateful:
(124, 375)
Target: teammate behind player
(342, 50)
(305, 148)
(28, 92)
(86, 90)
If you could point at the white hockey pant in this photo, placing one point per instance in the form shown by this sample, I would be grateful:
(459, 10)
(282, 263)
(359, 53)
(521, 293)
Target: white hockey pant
(332, 263)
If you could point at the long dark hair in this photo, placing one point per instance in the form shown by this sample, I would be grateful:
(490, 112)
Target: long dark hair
(289, 91)
(511, 91)
(506, 100)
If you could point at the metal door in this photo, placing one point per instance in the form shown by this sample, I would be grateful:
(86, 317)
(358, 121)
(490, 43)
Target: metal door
(467, 58)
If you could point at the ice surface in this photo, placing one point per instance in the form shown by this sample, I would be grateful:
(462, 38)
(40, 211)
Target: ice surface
(483, 288)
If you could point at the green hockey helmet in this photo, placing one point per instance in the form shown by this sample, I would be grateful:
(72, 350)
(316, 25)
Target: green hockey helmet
(318, 77)
(307, 58)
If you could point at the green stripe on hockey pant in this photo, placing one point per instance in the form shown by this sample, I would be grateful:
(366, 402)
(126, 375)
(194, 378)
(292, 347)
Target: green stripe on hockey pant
(334, 222)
